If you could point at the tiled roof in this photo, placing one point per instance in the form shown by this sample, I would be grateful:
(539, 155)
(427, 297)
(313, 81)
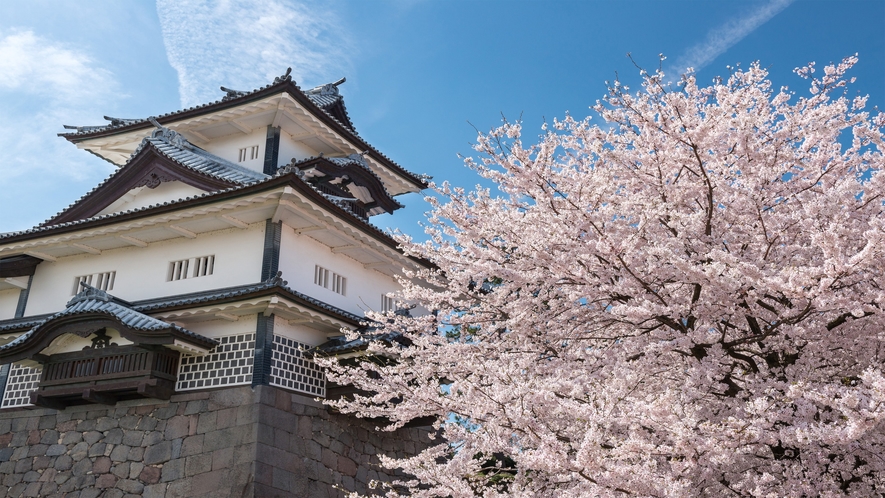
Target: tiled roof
(331, 105)
(232, 292)
(95, 301)
(372, 229)
(341, 344)
(190, 156)
(175, 147)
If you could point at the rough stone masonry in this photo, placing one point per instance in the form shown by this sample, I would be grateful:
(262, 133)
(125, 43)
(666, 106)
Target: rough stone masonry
(235, 442)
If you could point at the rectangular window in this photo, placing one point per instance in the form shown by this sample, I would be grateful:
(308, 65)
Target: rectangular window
(191, 268)
(248, 153)
(103, 281)
(329, 280)
(387, 303)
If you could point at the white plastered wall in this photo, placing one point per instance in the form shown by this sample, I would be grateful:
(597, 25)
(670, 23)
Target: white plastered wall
(299, 254)
(142, 196)
(142, 271)
(217, 328)
(292, 149)
(300, 333)
(8, 303)
(228, 147)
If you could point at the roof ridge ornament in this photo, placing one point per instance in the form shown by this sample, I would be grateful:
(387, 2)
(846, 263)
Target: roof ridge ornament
(89, 293)
(292, 167)
(276, 280)
(121, 121)
(231, 94)
(285, 77)
(171, 137)
(329, 89)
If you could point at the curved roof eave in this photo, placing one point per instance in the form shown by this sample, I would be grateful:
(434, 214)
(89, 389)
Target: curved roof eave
(287, 86)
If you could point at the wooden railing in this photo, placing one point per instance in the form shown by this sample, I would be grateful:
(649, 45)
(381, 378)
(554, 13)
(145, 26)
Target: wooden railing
(108, 363)
(106, 375)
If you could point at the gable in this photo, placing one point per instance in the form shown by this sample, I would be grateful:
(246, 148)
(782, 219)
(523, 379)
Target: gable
(149, 168)
(152, 194)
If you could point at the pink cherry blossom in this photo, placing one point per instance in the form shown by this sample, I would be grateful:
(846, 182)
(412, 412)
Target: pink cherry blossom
(686, 300)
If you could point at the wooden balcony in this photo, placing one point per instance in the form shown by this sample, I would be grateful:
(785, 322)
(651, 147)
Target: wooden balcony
(106, 375)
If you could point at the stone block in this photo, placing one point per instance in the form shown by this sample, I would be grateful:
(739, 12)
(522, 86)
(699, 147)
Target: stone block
(135, 469)
(106, 423)
(23, 465)
(226, 398)
(37, 450)
(192, 445)
(177, 427)
(82, 467)
(136, 454)
(247, 414)
(206, 422)
(329, 458)
(120, 453)
(86, 425)
(283, 480)
(20, 452)
(132, 437)
(105, 481)
(42, 462)
(263, 473)
(226, 418)
(12, 479)
(346, 466)
(147, 424)
(92, 437)
(33, 436)
(166, 412)
(72, 437)
(196, 406)
(130, 486)
(121, 470)
(19, 438)
(265, 435)
(64, 462)
(32, 489)
(97, 449)
(56, 450)
(151, 438)
(244, 453)
(114, 436)
(173, 470)
(198, 464)
(154, 491)
(158, 453)
(179, 489)
(150, 475)
(49, 437)
(31, 476)
(222, 458)
(102, 465)
(129, 422)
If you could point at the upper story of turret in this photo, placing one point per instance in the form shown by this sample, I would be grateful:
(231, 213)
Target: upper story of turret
(245, 137)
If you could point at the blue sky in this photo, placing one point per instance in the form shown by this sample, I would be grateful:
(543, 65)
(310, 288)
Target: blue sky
(420, 74)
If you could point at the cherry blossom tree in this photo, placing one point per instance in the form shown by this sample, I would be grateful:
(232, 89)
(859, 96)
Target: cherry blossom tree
(686, 300)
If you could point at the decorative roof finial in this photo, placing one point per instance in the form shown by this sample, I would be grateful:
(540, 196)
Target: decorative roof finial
(89, 293)
(169, 136)
(276, 280)
(231, 93)
(285, 77)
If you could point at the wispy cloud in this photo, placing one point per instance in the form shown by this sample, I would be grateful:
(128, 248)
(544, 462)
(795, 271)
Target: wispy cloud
(726, 36)
(43, 84)
(244, 44)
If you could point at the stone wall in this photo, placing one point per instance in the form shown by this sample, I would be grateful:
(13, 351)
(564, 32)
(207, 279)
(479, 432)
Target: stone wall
(234, 442)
